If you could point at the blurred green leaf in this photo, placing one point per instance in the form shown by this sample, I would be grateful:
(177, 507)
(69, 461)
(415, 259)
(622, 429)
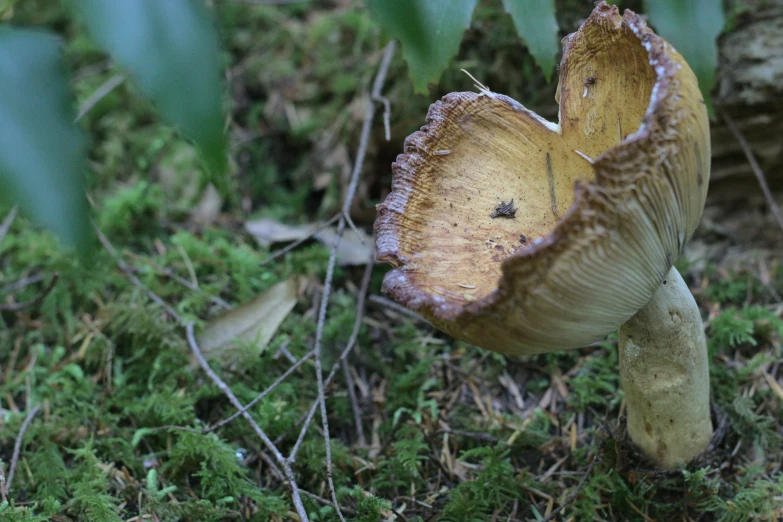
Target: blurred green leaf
(692, 27)
(171, 49)
(430, 32)
(41, 151)
(536, 24)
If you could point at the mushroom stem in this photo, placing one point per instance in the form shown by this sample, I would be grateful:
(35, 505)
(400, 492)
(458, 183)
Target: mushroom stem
(665, 376)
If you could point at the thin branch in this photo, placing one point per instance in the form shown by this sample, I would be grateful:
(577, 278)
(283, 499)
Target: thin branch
(350, 194)
(135, 280)
(377, 87)
(486, 437)
(773, 206)
(7, 222)
(99, 94)
(21, 283)
(18, 448)
(385, 302)
(261, 395)
(343, 355)
(283, 251)
(347, 511)
(318, 370)
(288, 473)
(353, 227)
(15, 307)
(284, 350)
(357, 412)
(572, 496)
(184, 282)
(305, 426)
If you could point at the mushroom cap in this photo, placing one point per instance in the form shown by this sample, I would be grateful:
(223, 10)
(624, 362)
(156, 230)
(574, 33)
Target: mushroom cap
(584, 245)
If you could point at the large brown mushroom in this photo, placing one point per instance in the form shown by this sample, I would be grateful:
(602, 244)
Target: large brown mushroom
(524, 236)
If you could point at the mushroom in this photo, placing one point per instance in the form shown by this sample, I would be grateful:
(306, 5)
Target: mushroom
(604, 202)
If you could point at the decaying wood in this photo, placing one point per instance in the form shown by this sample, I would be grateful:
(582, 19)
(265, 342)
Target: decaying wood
(750, 91)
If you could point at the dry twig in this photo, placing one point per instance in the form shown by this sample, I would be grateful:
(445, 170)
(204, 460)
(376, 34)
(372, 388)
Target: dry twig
(18, 448)
(357, 169)
(7, 222)
(21, 283)
(357, 412)
(135, 280)
(351, 342)
(347, 511)
(261, 395)
(16, 307)
(572, 496)
(377, 87)
(284, 463)
(184, 282)
(385, 302)
(283, 251)
(348, 347)
(100, 93)
(743, 143)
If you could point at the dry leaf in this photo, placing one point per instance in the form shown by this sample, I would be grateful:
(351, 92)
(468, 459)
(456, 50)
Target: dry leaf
(250, 324)
(268, 231)
(208, 208)
(353, 250)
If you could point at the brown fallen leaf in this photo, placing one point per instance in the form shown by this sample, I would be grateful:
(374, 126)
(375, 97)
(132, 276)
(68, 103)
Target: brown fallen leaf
(354, 249)
(268, 231)
(208, 208)
(249, 327)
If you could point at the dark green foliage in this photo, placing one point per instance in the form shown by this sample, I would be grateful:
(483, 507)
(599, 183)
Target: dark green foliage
(41, 153)
(179, 70)
(494, 485)
(693, 28)
(735, 289)
(369, 508)
(430, 32)
(597, 380)
(406, 456)
(536, 24)
(91, 494)
(758, 429)
(735, 327)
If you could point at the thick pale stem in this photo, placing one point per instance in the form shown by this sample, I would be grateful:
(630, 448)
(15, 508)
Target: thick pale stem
(665, 376)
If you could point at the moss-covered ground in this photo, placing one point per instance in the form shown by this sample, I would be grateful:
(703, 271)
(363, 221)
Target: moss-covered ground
(450, 432)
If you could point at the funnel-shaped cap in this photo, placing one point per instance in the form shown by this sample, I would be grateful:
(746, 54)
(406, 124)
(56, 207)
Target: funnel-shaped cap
(603, 202)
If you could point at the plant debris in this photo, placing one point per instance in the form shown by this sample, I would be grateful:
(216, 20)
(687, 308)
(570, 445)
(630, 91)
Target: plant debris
(506, 210)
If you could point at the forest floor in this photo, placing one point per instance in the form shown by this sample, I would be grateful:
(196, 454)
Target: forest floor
(106, 413)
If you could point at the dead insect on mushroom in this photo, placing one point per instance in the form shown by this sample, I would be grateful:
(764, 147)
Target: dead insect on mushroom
(522, 239)
(504, 210)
